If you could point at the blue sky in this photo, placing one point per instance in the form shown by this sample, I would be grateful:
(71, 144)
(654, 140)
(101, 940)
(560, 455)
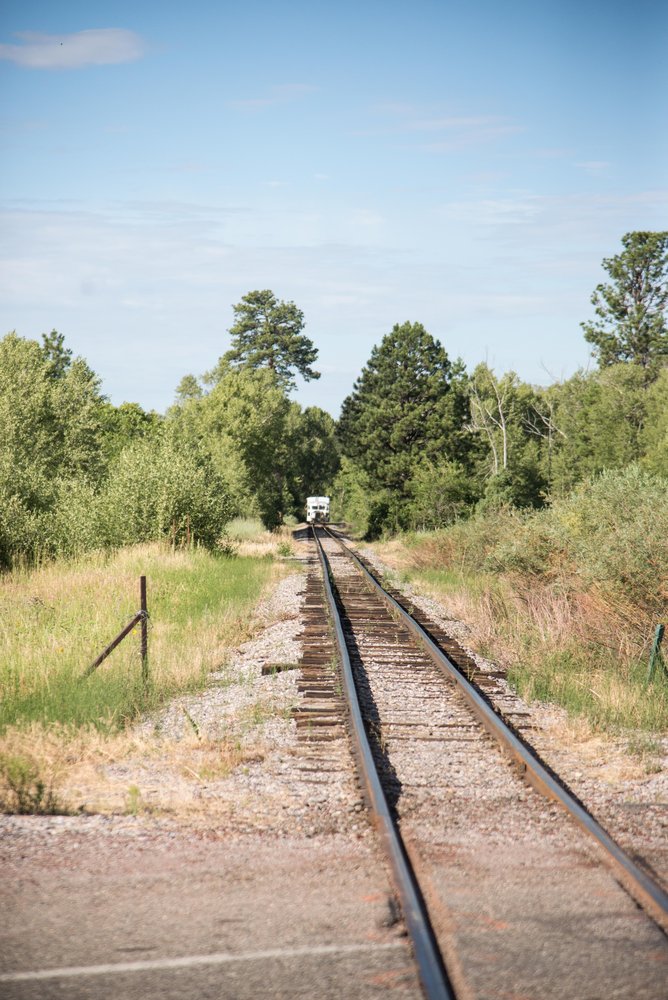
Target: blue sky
(462, 165)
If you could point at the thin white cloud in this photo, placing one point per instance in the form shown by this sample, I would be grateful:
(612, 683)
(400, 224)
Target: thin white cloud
(456, 122)
(524, 219)
(94, 47)
(594, 167)
(551, 153)
(366, 217)
(279, 94)
(469, 136)
(396, 108)
(518, 210)
(446, 131)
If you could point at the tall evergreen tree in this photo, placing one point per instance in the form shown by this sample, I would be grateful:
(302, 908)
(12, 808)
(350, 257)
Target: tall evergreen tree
(268, 334)
(408, 404)
(631, 309)
(58, 357)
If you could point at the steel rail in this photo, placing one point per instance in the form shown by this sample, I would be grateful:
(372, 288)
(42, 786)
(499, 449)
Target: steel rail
(644, 890)
(431, 970)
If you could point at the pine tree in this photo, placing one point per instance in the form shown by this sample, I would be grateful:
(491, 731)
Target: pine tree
(58, 357)
(407, 405)
(631, 324)
(268, 334)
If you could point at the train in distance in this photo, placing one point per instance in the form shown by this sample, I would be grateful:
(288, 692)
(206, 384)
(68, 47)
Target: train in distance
(317, 510)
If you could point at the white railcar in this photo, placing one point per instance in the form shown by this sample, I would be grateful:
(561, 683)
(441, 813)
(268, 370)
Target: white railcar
(317, 510)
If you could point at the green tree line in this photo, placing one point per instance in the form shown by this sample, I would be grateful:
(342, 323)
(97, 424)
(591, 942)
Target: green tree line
(78, 473)
(421, 442)
(424, 442)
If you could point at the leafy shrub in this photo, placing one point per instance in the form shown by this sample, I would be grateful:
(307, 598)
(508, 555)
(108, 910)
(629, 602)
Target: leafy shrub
(351, 496)
(378, 519)
(530, 548)
(72, 527)
(611, 533)
(21, 535)
(520, 485)
(441, 493)
(468, 544)
(614, 529)
(156, 490)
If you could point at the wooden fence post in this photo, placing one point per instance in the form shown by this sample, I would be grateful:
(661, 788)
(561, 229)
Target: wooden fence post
(141, 618)
(144, 630)
(656, 657)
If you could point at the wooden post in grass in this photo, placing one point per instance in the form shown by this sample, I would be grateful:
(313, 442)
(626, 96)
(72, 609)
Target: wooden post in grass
(141, 618)
(656, 655)
(144, 630)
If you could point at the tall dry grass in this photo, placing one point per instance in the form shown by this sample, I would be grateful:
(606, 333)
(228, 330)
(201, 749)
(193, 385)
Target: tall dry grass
(567, 598)
(55, 620)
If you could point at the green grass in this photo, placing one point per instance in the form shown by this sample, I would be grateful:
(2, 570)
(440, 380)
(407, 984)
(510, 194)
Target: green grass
(56, 620)
(610, 694)
(244, 529)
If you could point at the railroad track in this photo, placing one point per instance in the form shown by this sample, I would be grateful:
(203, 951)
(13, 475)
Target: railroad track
(481, 863)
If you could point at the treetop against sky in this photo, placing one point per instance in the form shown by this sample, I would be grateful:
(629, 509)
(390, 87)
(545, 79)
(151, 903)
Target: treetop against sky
(464, 166)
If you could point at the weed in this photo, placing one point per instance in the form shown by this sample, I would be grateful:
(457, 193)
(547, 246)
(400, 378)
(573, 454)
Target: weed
(193, 724)
(376, 732)
(278, 668)
(285, 550)
(133, 801)
(25, 792)
(643, 745)
(649, 750)
(257, 714)
(653, 767)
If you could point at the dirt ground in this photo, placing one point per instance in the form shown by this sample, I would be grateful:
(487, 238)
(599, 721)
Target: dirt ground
(108, 907)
